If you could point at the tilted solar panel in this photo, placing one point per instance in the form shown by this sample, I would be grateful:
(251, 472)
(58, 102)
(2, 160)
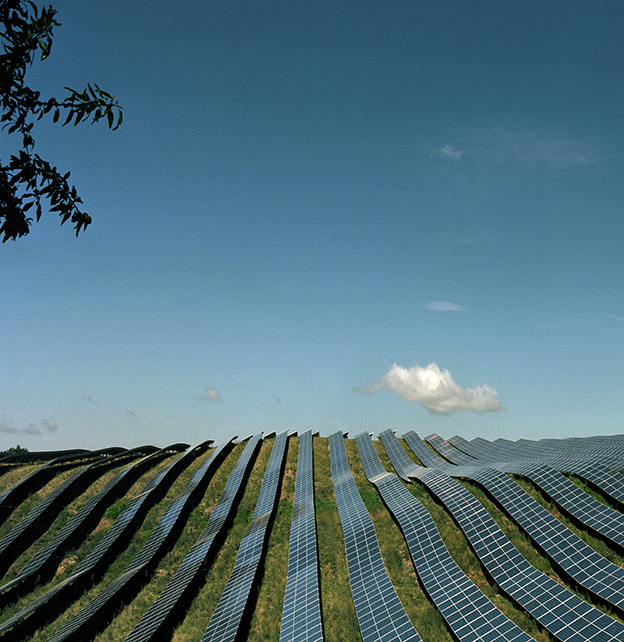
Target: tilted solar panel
(226, 619)
(380, 614)
(301, 617)
(149, 626)
(467, 611)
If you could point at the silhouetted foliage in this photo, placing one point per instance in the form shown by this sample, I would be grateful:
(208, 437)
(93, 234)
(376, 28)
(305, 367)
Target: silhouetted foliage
(26, 179)
(14, 450)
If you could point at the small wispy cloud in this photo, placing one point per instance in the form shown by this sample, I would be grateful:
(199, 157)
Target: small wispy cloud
(210, 394)
(50, 425)
(612, 316)
(448, 152)
(434, 389)
(31, 429)
(445, 306)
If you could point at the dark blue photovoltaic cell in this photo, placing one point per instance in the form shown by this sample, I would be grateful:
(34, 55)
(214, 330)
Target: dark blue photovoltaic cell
(589, 569)
(149, 625)
(226, 619)
(61, 541)
(19, 538)
(380, 614)
(94, 614)
(301, 616)
(581, 562)
(558, 610)
(108, 547)
(449, 452)
(467, 611)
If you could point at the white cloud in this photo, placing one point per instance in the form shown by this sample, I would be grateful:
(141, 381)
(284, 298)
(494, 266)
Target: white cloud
(210, 394)
(445, 306)
(435, 389)
(614, 317)
(448, 152)
(513, 149)
(50, 425)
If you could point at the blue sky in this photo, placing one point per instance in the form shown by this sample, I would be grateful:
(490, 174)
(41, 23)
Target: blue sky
(325, 215)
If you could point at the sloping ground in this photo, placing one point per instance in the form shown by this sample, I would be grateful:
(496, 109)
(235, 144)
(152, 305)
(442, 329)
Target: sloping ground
(472, 540)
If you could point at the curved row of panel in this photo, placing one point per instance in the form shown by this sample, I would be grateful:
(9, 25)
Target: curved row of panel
(468, 612)
(76, 530)
(581, 562)
(23, 534)
(97, 613)
(380, 614)
(568, 496)
(228, 614)
(94, 564)
(597, 461)
(301, 615)
(151, 625)
(568, 551)
(561, 612)
(11, 497)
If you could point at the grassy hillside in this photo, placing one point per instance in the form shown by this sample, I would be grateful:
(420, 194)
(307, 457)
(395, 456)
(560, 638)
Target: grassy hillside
(338, 613)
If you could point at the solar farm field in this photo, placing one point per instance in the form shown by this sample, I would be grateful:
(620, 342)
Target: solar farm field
(305, 538)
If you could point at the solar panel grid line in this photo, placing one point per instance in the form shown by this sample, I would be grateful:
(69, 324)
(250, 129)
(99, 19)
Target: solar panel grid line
(464, 607)
(572, 499)
(518, 577)
(560, 544)
(302, 596)
(225, 621)
(379, 612)
(101, 604)
(103, 554)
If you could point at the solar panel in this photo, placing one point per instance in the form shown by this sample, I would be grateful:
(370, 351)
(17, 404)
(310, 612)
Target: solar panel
(581, 562)
(301, 617)
(226, 619)
(38, 520)
(588, 510)
(46, 605)
(96, 614)
(149, 627)
(467, 611)
(557, 609)
(427, 456)
(380, 614)
(75, 531)
(449, 452)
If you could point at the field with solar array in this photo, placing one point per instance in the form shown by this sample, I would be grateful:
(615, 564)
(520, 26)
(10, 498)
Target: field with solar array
(300, 537)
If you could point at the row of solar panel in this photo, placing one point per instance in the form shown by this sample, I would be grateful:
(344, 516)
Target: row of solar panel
(561, 612)
(381, 616)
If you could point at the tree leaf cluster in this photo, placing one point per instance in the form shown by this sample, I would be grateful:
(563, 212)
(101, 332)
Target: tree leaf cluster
(27, 180)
